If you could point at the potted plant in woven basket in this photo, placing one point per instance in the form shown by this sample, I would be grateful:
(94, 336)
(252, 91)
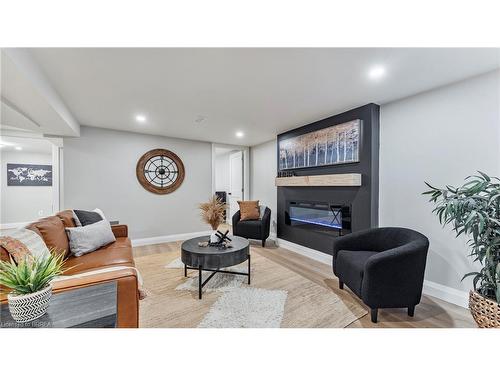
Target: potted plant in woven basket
(473, 210)
(29, 282)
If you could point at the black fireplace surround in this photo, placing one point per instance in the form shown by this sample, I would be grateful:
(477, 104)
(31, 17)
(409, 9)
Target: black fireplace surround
(323, 217)
(313, 216)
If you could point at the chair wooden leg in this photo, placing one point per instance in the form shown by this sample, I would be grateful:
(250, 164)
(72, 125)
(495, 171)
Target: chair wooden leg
(411, 310)
(341, 284)
(374, 313)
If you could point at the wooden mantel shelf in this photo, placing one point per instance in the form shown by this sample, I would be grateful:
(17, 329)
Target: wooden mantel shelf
(344, 179)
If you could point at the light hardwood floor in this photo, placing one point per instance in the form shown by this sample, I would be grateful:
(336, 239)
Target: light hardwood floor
(430, 313)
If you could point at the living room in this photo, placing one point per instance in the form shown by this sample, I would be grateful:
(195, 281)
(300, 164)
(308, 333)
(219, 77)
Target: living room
(161, 187)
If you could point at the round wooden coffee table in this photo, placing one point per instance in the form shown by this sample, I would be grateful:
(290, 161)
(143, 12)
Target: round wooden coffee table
(212, 258)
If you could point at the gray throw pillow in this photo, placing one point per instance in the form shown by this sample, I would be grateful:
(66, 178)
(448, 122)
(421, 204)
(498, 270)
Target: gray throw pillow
(83, 240)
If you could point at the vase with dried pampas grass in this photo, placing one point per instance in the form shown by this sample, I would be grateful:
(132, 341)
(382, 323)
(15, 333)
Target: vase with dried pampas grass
(212, 212)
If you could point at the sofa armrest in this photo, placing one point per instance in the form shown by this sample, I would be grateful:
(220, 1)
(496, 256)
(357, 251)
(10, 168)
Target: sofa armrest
(120, 230)
(235, 219)
(127, 309)
(393, 275)
(266, 223)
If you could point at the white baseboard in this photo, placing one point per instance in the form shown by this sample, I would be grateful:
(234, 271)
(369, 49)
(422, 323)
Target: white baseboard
(306, 251)
(452, 295)
(168, 238)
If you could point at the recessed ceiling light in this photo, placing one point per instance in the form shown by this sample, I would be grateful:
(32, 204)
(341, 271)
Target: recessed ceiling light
(376, 72)
(140, 118)
(240, 134)
(18, 148)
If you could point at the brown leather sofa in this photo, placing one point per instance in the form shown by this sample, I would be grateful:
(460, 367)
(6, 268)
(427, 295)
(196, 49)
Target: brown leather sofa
(119, 253)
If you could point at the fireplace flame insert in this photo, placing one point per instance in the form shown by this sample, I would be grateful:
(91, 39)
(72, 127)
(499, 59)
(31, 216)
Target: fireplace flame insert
(322, 217)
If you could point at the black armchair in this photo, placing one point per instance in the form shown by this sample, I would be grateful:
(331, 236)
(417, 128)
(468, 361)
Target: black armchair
(383, 266)
(255, 229)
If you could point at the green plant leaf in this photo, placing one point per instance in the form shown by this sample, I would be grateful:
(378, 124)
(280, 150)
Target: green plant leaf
(30, 276)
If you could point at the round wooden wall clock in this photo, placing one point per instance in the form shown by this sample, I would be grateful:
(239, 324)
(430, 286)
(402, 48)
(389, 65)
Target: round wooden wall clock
(160, 171)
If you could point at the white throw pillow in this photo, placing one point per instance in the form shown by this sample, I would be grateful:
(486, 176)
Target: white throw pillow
(83, 240)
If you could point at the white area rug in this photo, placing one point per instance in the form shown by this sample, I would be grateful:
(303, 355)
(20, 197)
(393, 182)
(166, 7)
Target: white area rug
(221, 282)
(176, 263)
(247, 308)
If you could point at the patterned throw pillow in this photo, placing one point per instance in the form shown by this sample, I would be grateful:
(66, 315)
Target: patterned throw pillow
(249, 210)
(16, 249)
(32, 241)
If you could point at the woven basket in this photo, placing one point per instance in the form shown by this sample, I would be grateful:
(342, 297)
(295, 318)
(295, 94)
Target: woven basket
(485, 312)
(27, 307)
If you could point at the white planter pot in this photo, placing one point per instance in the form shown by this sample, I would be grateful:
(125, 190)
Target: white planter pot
(27, 307)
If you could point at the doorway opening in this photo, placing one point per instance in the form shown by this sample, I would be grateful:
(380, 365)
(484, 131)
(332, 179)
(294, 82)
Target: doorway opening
(230, 176)
(29, 180)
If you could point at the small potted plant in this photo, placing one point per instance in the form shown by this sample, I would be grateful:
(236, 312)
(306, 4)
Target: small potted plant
(29, 281)
(473, 210)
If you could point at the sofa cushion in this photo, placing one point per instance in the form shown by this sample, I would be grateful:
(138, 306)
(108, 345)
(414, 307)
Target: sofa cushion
(350, 267)
(83, 218)
(249, 228)
(51, 229)
(67, 218)
(118, 253)
(88, 238)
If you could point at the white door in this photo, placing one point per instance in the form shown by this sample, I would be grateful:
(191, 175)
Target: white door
(235, 182)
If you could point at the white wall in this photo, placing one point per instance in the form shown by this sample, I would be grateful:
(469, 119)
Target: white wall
(99, 171)
(440, 136)
(21, 204)
(262, 175)
(222, 172)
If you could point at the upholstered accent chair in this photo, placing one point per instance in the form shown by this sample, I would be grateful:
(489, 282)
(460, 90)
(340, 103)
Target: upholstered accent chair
(383, 266)
(255, 229)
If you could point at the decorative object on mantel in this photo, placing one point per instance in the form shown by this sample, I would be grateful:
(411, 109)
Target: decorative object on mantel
(30, 283)
(337, 144)
(212, 212)
(343, 179)
(473, 209)
(160, 171)
(286, 174)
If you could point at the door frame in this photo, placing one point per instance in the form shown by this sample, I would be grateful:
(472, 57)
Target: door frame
(246, 166)
(57, 179)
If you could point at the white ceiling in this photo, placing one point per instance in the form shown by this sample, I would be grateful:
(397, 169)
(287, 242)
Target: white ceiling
(28, 100)
(259, 91)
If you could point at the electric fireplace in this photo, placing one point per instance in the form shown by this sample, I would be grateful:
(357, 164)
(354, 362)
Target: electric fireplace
(322, 217)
